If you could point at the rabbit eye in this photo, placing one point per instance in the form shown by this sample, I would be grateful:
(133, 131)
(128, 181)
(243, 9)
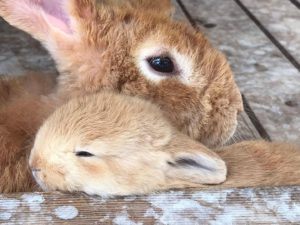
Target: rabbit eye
(84, 154)
(161, 64)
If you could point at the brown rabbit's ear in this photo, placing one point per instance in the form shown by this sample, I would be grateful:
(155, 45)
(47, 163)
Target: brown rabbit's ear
(46, 19)
(192, 162)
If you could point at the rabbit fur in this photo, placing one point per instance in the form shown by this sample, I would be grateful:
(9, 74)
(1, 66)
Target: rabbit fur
(112, 144)
(23, 108)
(104, 45)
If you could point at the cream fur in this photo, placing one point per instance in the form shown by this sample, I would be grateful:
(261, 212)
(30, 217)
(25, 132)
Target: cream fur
(137, 151)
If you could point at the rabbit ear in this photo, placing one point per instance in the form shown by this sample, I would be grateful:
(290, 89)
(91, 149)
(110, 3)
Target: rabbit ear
(193, 163)
(44, 19)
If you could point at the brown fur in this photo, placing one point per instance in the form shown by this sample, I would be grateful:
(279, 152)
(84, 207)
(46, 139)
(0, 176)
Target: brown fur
(261, 163)
(138, 151)
(22, 110)
(161, 7)
(32, 83)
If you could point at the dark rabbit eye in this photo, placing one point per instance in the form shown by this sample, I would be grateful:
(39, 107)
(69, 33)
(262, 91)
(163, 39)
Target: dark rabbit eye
(84, 154)
(162, 64)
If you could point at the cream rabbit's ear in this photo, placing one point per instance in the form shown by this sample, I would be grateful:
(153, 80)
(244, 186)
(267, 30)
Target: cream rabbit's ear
(196, 168)
(193, 163)
(46, 20)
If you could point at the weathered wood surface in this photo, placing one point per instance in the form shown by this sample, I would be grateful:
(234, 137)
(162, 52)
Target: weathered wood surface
(19, 53)
(245, 130)
(296, 3)
(239, 206)
(282, 20)
(267, 79)
(179, 14)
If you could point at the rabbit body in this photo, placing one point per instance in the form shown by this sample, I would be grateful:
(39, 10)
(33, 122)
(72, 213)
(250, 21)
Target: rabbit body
(111, 144)
(23, 108)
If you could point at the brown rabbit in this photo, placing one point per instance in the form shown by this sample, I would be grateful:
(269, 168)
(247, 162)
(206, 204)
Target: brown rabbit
(133, 47)
(111, 144)
(25, 102)
(14, 87)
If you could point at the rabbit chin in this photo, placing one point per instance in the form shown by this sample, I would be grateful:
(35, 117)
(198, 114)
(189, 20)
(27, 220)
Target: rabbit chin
(52, 181)
(89, 187)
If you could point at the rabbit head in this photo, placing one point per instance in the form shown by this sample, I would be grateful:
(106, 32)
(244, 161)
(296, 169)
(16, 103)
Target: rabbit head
(133, 47)
(111, 144)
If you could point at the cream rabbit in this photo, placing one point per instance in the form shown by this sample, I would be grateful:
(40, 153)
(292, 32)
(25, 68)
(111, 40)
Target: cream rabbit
(111, 144)
(133, 47)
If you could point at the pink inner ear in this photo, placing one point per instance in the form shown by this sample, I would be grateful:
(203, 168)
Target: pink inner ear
(56, 13)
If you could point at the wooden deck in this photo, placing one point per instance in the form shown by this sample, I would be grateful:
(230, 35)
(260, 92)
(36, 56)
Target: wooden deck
(237, 206)
(261, 41)
(266, 71)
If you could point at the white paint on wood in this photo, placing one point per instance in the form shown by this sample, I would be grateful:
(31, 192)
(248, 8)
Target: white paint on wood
(7, 208)
(5, 216)
(66, 212)
(233, 206)
(123, 219)
(34, 201)
(175, 208)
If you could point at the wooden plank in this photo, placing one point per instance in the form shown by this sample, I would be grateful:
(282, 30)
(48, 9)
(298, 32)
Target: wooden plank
(280, 21)
(19, 53)
(296, 3)
(179, 14)
(267, 79)
(235, 206)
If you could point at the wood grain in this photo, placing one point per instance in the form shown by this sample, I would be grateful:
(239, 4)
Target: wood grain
(282, 25)
(235, 206)
(264, 75)
(20, 53)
